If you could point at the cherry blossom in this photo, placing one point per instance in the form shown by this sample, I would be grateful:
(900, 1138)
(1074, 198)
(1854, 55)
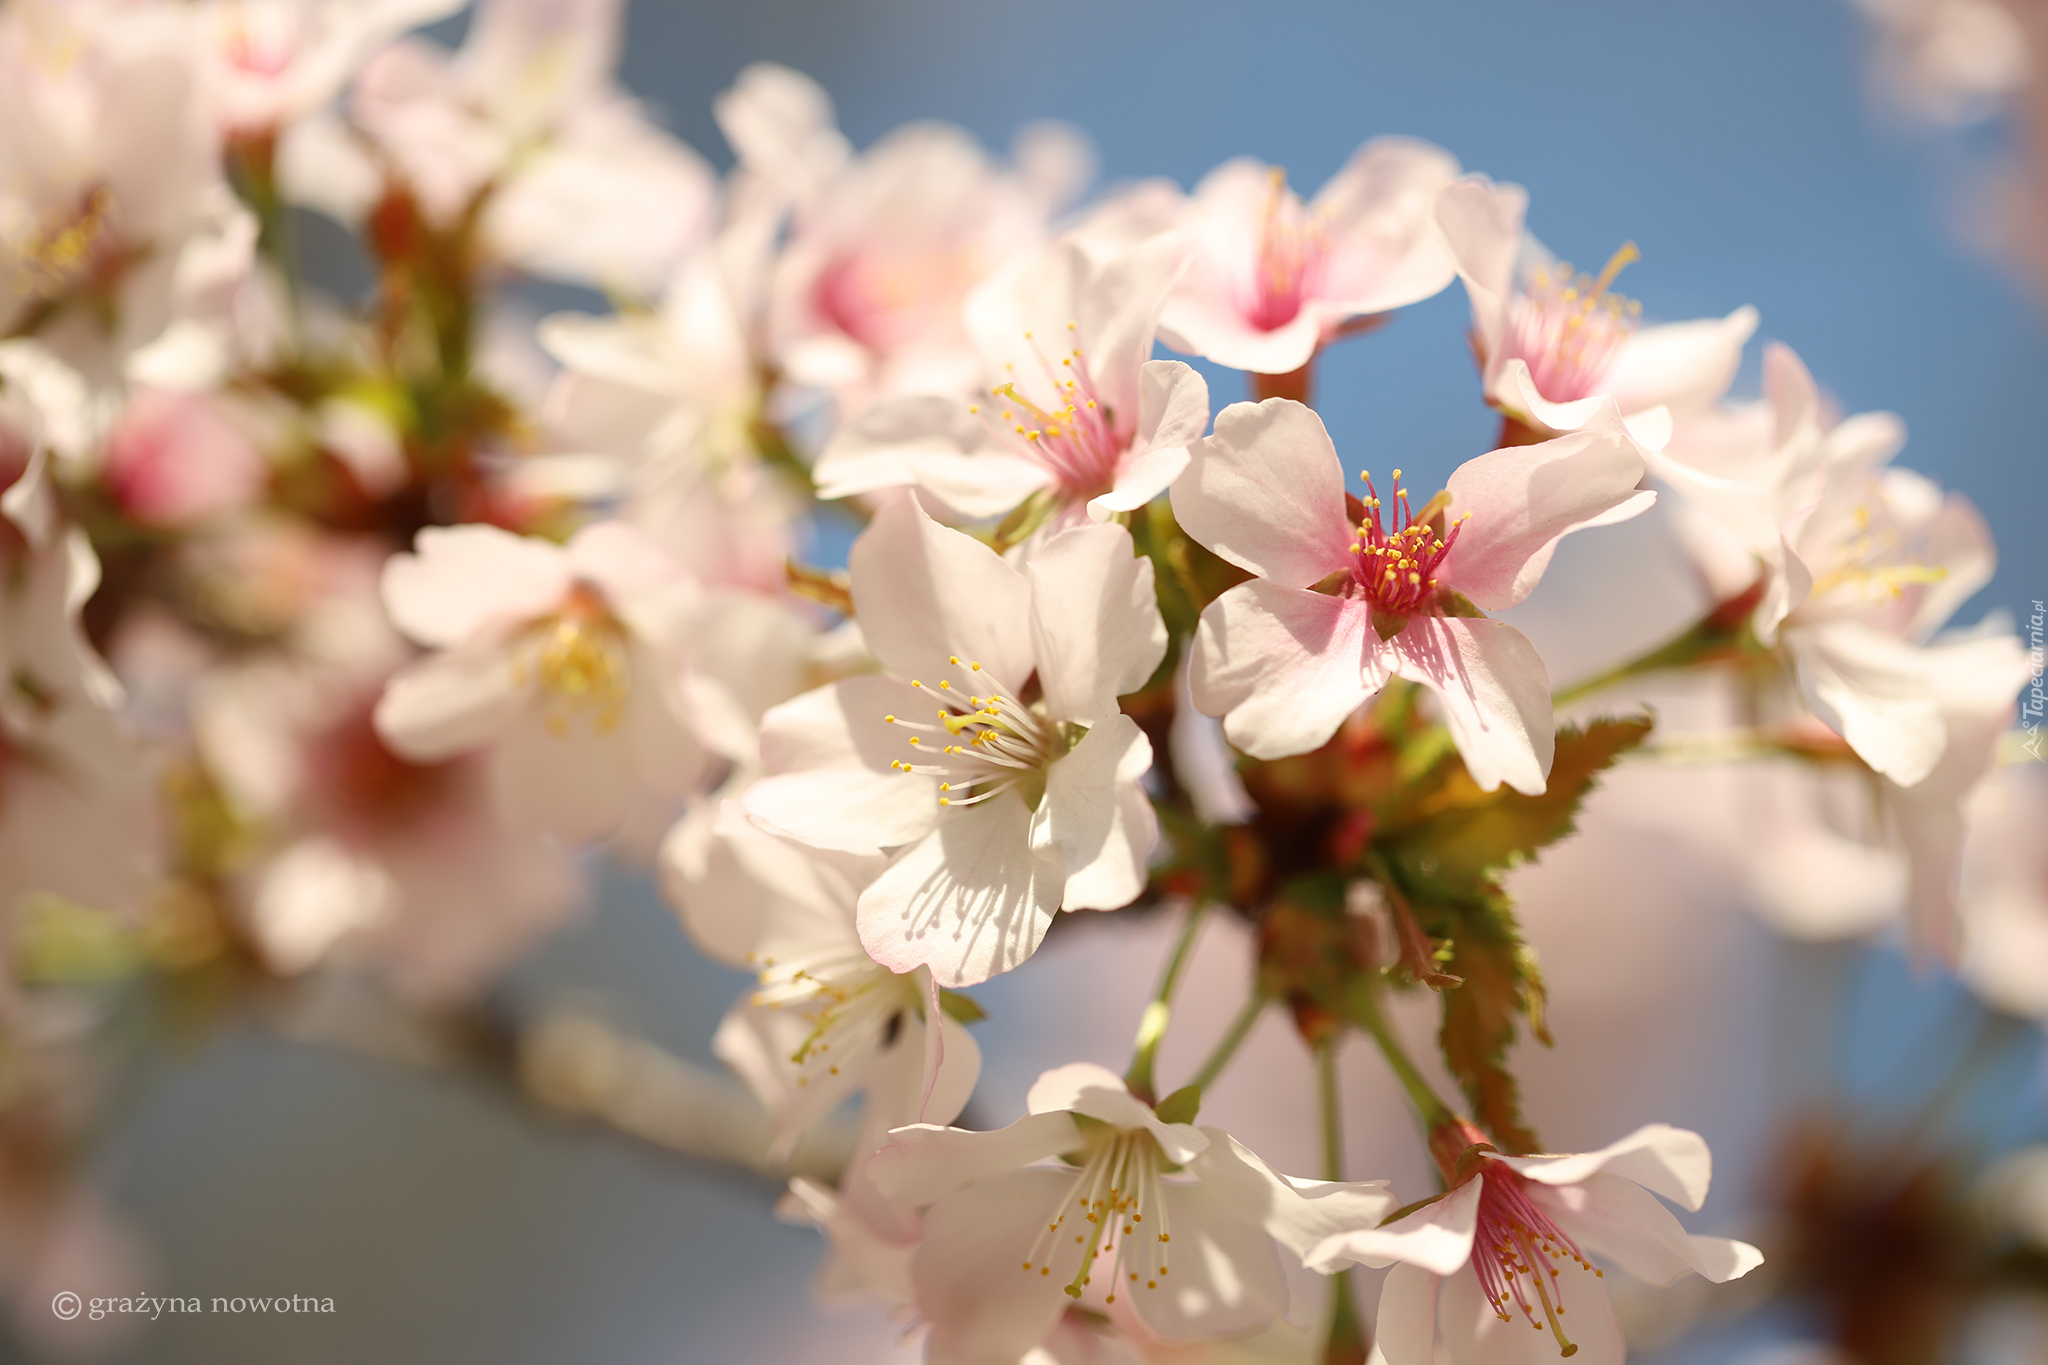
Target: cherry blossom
(1526, 1228)
(1274, 278)
(567, 663)
(1074, 412)
(1023, 798)
(1178, 1222)
(279, 60)
(1550, 339)
(1348, 596)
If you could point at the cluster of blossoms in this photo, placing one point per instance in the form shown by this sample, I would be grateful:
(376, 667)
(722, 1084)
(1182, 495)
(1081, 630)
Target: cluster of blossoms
(334, 635)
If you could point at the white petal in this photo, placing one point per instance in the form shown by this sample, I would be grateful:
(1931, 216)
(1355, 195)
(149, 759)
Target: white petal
(1473, 1331)
(1298, 1214)
(577, 785)
(1095, 624)
(1099, 1093)
(1224, 1280)
(1436, 1237)
(1202, 761)
(1405, 1333)
(1494, 691)
(1619, 1221)
(926, 1162)
(745, 894)
(1482, 226)
(970, 900)
(984, 1307)
(1266, 492)
(451, 702)
(1876, 691)
(1673, 1162)
(1385, 248)
(618, 557)
(461, 578)
(1681, 364)
(1284, 667)
(1101, 824)
(828, 753)
(925, 592)
(1523, 500)
(757, 1042)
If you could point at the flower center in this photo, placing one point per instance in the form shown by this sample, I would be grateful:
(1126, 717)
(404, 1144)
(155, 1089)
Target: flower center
(1290, 264)
(1513, 1251)
(982, 746)
(51, 258)
(1570, 329)
(578, 657)
(849, 1002)
(1077, 439)
(1116, 1188)
(1872, 564)
(889, 296)
(1395, 567)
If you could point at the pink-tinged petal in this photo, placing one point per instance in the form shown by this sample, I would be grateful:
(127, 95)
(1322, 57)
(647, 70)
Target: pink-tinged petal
(1512, 389)
(950, 1072)
(1495, 694)
(1202, 318)
(1099, 1093)
(1622, 1223)
(985, 1308)
(1095, 625)
(1472, 1330)
(932, 443)
(1202, 761)
(947, 1063)
(1298, 1214)
(1673, 1162)
(864, 1260)
(1482, 227)
(925, 1162)
(1520, 502)
(1173, 411)
(925, 592)
(1405, 1333)
(1266, 492)
(757, 1041)
(576, 786)
(452, 702)
(1225, 1279)
(655, 732)
(619, 558)
(830, 785)
(1097, 817)
(1283, 666)
(1683, 365)
(745, 894)
(1385, 250)
(970, 900)
(460, 579)
(1876, 692)
(1961, 543)
(1436, 1237)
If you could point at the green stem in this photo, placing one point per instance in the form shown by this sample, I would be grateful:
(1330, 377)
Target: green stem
(1345, 1342)
(1152, 1024)
(1709, 636)
(1226, 1047)
(1365, 1012)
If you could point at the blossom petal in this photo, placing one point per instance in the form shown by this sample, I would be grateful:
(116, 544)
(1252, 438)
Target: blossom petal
(618, 557)
(984, 1307)
(1482, 226)
(1522, 501)
(1436, 1237)
(925, 592)
(1673, 1162)
(459, 579)
(1098, 818)
(1472, 1330)
(1284, 667)
(1224, 1280)
(1681, 364)
(926, 1162)
(1405, 1333)
(1095, 625)
(756, 1041)
(745, 894)
(1618, 1220)
(1495, 694)
(970, 900)
(1298, 1214)
(1266, 492)
(451, 702)
(1099, 1093)
(829, 751)
(1173, 411)
(937, 444)
(576, 785)
(1877, 693)
(1386, 250)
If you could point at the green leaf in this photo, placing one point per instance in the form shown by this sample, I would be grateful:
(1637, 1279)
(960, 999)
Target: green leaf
(1499, 983)
(961, 1009)
(1181, 1106)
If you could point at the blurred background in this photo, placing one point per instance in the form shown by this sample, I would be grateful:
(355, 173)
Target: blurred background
(1739, 146)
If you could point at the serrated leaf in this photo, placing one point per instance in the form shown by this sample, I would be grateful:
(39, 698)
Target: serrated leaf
(1479, 1025)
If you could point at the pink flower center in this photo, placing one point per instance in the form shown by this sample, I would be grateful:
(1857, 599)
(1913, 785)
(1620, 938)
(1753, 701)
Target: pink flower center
(1290, 263)
(1570, 329)
(1078, 440)
(1514, 1250)
(1395, 566)
(887, 298)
